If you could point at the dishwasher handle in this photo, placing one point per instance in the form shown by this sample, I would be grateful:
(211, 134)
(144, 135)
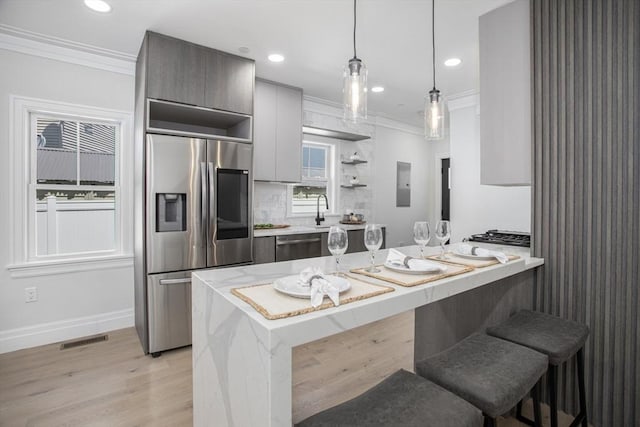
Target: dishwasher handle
(297, 241)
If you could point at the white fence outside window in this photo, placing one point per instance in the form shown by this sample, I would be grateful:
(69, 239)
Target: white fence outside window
(73, 226)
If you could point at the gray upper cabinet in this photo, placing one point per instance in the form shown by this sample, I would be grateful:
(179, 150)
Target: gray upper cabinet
(188, 73)
(175, 70)
(505, 95)
(264, 132)
(277, 133)
(229, 82)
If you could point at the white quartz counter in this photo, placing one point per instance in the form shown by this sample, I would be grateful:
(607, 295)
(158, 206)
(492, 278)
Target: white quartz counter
(242, 361)
(304, 229)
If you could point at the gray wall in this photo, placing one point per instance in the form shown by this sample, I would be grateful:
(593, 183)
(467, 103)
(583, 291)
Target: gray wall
(587, 190)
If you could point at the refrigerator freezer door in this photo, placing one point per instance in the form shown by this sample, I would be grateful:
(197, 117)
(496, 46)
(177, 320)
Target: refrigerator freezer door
(169, 302)
(176, 200)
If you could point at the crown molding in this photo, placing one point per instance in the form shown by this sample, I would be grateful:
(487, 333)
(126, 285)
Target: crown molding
(387, 122)
(334, 109)
(324, 106)
(464, 99)
(36, 44)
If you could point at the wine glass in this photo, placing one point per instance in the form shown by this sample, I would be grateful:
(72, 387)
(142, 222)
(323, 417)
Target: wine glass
(421, 235)
(338, 240)
(443, 232)
(373, 242)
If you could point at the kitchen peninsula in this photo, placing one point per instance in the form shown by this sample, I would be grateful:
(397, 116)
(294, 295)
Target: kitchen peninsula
(242, 362)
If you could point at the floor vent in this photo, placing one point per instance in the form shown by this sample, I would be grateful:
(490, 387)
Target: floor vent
(84, 341)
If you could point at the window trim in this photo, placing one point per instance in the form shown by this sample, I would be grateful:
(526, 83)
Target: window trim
(22, 189)
(330, 181)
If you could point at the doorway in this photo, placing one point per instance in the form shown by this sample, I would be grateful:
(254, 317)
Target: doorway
(445, 189)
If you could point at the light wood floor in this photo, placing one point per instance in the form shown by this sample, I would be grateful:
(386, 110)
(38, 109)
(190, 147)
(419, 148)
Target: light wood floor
(113, 384)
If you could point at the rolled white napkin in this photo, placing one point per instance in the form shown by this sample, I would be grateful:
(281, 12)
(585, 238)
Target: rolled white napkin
(475, 250)
(398, 259)
(320, 286)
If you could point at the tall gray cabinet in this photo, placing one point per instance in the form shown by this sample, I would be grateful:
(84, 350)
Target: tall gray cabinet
(277, 132)
(182, 89)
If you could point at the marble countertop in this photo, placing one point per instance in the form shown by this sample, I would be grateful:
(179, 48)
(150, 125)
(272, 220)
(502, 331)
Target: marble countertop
(316, 325)
(305, 229)
(242, 362)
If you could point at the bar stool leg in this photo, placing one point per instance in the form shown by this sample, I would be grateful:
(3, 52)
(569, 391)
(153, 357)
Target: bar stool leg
(522, 418)
(489, 422)
(581, 418)
(581, 391)
(537, 413)
(552, 377)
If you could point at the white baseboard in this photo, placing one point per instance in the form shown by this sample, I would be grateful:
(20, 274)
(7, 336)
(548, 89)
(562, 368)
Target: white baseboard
(48, 333)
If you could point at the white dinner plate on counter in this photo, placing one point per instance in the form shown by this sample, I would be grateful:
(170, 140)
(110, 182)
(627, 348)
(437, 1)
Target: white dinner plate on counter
(292, 286)
(433, 268)
(456, 252)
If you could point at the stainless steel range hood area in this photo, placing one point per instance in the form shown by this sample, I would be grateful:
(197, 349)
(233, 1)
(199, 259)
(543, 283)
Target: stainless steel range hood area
(193, 178)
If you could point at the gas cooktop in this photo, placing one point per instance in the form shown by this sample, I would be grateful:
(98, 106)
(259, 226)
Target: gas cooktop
(501, 237)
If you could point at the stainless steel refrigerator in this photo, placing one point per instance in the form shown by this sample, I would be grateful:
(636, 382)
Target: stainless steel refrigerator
(197, 214)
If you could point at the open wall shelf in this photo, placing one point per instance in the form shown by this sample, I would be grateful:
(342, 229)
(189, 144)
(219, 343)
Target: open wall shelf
(187, 120)
(353, 162)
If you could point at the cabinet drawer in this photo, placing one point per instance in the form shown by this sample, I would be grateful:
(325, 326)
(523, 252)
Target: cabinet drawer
(169, 305)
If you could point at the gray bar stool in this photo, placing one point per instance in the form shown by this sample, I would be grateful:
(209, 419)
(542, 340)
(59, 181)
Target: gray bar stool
(490, 373)
(402, 399)
(560, 340)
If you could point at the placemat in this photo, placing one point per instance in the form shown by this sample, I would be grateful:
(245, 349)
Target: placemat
(409, 280)
(455, 259)
(275, 305)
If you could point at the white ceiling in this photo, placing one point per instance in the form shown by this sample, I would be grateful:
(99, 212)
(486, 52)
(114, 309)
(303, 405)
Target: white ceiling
(393, 39)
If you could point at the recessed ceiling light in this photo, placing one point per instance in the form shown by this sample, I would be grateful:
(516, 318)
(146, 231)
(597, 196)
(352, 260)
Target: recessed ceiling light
(98, 5)
(452, 62)
(276, 57)
(377, 89)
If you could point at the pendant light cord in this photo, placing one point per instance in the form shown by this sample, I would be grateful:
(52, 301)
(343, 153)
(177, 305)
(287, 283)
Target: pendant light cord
(433, 39)
(354, 29)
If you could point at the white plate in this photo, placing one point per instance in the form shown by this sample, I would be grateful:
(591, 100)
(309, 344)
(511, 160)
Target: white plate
(437, 268)
(292, 286)
(476, 257)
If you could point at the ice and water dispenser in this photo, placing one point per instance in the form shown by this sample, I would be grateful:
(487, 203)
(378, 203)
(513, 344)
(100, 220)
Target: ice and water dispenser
(171, 212)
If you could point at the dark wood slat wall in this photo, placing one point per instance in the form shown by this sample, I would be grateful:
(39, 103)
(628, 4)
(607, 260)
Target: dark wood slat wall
(586, 191)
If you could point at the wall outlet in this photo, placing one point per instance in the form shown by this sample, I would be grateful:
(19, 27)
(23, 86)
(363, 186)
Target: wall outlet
(30, 294)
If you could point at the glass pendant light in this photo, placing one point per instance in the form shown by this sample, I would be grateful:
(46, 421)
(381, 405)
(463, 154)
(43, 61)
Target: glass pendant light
(434, 109)
(355, 84)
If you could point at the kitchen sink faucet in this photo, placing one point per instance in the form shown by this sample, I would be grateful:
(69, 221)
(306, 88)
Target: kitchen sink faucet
(319, 218)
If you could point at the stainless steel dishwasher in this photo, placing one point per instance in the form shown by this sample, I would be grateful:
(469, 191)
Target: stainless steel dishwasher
(298, 246)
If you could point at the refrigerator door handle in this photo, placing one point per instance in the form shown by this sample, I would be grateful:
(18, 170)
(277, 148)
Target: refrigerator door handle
(212, 204)
(203, 199)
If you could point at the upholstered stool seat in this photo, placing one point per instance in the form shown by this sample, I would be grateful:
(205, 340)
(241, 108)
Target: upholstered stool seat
(402, 399)
(492, 374)
(559, 339)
